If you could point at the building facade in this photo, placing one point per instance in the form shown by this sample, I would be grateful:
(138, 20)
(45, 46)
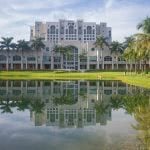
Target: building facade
(78, 34)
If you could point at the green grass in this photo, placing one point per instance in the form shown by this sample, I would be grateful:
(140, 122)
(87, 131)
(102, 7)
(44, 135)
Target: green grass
(142, 80)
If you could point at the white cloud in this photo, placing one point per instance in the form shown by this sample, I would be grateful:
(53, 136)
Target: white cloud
(16, 15)
(109, 3)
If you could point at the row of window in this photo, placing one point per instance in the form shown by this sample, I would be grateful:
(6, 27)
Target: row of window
(71, 30)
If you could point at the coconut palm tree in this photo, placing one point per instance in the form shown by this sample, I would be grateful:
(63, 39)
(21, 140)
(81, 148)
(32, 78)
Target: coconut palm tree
(6, 106)
(117, 49)
(37, 44)
(128, 41)
(145, 25)
(37, 105)
(22, 45)
(7, 44)
(100, 44)
(130, 51)
(143, 45)
(62, 50)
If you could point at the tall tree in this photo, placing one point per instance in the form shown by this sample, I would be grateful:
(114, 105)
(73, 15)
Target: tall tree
(116, 48)
(37, 45)
(100, 43)
(64, 51)
(7, 44)
(145, 25)
(22, 46)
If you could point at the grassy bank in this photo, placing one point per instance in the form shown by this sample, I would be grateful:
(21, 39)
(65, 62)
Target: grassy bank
(134, 79)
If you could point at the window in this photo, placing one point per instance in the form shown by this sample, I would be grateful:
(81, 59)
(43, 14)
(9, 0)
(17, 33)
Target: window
(52, 29)
(93, 49)
(93, 58)
(16, 58)
(107, 92)
(71, 29)
(107, 58)
(109, 33)
(66, 31)
(89, 30)
(2, 58)
(31, 59)
(47, 48)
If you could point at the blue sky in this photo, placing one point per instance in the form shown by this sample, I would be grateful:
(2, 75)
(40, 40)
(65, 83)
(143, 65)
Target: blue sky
(122, 15)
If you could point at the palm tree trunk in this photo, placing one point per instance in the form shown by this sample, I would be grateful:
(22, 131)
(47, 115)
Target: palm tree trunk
(66, 62)
(97, 59)
(62, 61)
(7, 64)
(117, 61)
(135, 67)
(36, 67)
(21, 59)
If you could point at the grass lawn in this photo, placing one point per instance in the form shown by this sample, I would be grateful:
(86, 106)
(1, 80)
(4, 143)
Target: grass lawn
(134, 79)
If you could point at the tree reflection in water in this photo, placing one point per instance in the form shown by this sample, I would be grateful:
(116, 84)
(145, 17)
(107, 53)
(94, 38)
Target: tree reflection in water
(135, 103)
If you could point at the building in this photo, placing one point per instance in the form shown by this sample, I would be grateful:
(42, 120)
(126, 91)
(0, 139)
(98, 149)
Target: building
(78, 34)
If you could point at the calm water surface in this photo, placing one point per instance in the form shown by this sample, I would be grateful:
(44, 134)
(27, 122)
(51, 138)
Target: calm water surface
(73, 115)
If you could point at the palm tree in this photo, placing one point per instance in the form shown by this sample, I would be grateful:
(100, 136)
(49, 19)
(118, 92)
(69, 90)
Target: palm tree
(129, 45)
(117, 49)
(143, 44)
(7, 44)
(128, 41)
(64, 51)
(37, 105)
(6, 106)
(61, 50)
(145, 25)
(37, 44)
(22, 45)
(142, 115)
(101, 43)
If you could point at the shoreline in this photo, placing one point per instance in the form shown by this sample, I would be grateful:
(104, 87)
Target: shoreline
(142, 80)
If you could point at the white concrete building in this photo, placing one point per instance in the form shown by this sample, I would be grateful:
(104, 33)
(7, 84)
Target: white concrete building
(79, 34)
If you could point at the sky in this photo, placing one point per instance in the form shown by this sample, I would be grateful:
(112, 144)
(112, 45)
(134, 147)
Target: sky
(16, 16)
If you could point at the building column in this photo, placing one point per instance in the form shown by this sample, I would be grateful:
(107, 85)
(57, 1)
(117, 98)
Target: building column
(140, 65)
(26, 64)
(61, 64)
(21, 63)
(7, 63)
(11, 65)
(103, 67)
(97, 67)
(126, 66)
(88, 63)
(52, 61)
(36, 65)
(117, 65)
(41, 64)
(78, 63)
(112, 67)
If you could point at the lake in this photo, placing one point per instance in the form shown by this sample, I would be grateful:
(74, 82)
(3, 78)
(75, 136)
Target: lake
(73, 115)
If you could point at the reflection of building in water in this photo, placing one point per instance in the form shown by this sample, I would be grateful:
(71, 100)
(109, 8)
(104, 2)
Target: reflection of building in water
(67, 103)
